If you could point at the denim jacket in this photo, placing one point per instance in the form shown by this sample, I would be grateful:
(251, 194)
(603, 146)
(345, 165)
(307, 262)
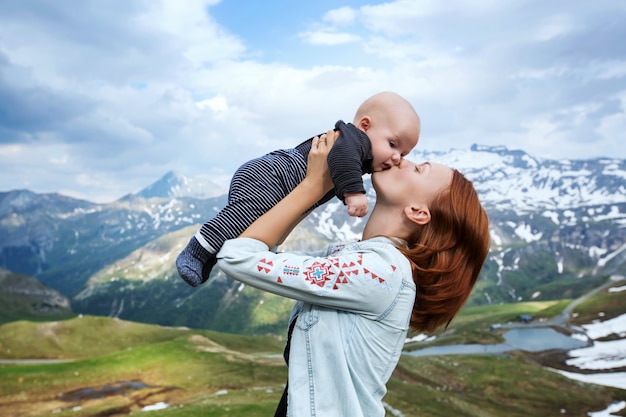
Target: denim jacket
(353, 308)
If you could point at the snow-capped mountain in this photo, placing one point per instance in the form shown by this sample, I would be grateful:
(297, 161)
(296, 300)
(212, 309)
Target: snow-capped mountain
(176, 185)
(514, 180)
(558, 228)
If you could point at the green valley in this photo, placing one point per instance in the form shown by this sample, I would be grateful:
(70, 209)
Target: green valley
(109, 367)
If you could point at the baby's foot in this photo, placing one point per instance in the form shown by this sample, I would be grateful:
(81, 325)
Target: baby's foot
(195, 263)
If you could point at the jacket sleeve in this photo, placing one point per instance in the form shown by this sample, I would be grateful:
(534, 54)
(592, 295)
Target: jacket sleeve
(363, 282)
(349, 159)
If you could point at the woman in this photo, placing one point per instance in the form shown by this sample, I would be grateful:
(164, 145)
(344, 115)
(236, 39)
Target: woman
(422, 249)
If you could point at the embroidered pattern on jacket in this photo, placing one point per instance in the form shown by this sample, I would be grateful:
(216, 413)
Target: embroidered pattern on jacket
(329, 270)
(318, 273)
(337, 248)
(265, 266)
(288, 274)
(291, 270)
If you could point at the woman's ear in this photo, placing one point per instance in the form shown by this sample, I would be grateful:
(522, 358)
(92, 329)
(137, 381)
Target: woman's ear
(418, 214)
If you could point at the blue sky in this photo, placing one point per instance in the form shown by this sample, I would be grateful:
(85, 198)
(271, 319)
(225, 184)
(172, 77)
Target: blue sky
(100, 98)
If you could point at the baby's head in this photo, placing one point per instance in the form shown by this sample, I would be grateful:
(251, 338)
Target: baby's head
(392, 126)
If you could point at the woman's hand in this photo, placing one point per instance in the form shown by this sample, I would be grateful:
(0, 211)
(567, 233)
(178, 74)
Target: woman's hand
(318, 174)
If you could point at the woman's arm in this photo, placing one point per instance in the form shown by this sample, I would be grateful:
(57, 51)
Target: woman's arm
(272, 226)
(364, 280)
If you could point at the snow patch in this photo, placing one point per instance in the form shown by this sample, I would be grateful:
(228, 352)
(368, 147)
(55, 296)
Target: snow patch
(525, 232)
(613, 408)
(158, 406)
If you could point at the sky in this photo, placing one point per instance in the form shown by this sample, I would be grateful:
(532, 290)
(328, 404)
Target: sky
(99, 99)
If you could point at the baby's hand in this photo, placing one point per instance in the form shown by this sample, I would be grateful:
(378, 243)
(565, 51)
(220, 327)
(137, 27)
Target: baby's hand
(357, 204)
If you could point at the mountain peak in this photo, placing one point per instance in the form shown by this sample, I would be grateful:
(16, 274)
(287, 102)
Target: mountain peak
(175, 185)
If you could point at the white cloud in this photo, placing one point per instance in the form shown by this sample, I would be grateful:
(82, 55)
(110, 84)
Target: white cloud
(396, 16)
(126, 91)
(217, 104)
(200, 38)
(611, 69)
(327, 37)
(341, 16)
(554, 26)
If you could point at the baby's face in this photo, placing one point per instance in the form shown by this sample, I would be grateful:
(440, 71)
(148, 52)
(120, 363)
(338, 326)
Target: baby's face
(390, 145)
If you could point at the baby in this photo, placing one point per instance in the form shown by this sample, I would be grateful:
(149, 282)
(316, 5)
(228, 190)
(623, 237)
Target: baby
(384, 130)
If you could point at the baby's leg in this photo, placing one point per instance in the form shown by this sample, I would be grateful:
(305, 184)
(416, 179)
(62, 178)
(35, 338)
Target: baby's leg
(257, 186)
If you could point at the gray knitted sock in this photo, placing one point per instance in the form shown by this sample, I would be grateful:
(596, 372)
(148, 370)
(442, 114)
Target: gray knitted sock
(195, 263)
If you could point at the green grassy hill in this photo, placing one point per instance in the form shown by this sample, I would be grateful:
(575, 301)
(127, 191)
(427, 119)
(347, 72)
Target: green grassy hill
(118, 367)
(25, 298)
(176, 365)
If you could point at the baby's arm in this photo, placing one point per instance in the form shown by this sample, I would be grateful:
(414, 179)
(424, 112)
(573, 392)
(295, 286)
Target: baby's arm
(357, 204)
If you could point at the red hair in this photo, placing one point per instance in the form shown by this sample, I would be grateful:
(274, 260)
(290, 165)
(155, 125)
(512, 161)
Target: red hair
(447, 254)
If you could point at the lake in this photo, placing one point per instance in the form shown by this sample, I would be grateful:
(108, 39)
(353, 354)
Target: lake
(533, 339)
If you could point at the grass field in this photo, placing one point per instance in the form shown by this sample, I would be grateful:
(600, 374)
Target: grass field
(115, 368)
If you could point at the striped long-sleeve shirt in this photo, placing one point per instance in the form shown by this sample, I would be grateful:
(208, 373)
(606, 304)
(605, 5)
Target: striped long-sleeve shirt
(261, 183)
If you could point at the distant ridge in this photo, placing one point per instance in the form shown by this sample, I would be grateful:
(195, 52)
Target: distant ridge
(514, 180)
(558, 228)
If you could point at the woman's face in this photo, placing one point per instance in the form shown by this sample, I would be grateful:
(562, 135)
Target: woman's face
(411, 183)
